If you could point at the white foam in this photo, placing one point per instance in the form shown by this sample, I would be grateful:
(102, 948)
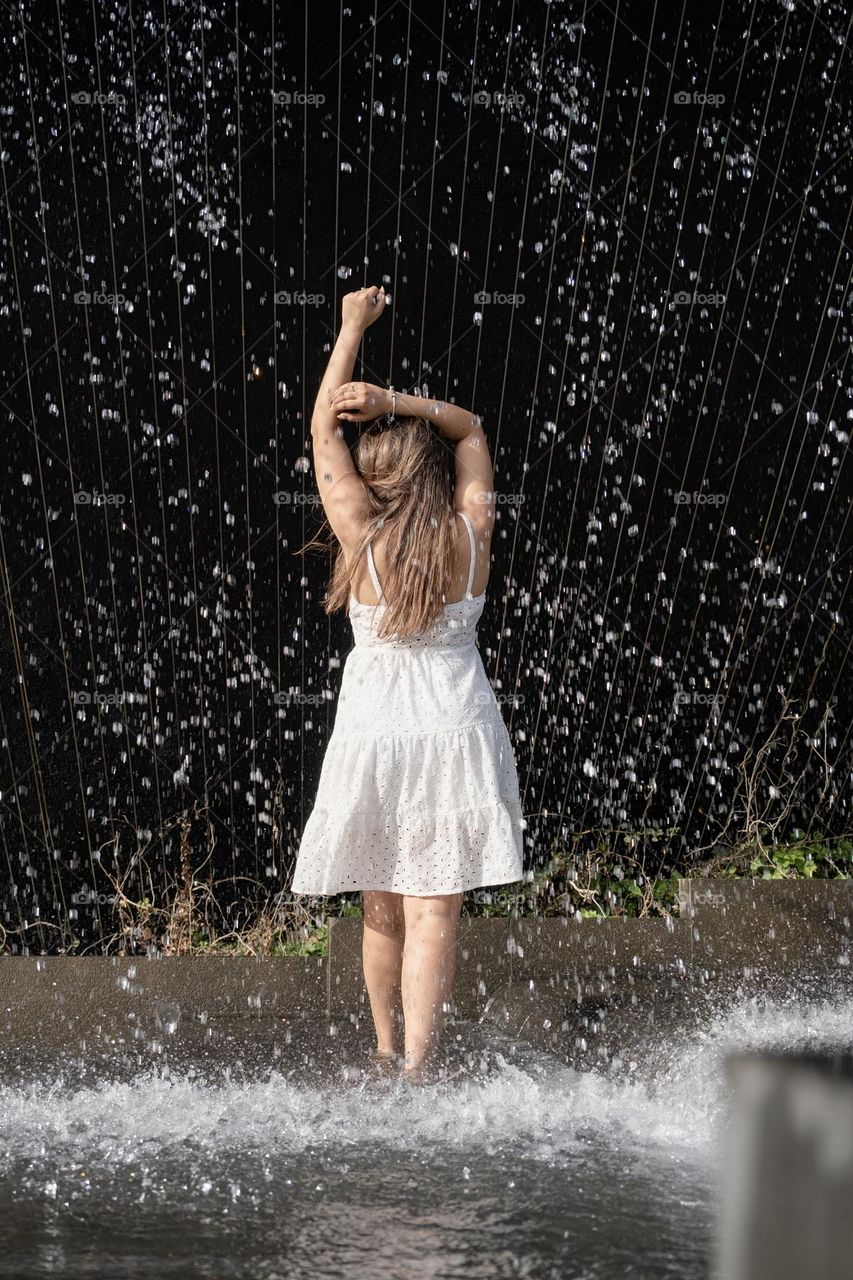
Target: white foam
(534, 1105)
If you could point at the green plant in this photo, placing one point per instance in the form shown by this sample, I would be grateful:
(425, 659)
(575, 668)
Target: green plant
(802, 857)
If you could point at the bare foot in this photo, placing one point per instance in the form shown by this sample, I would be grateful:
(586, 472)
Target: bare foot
(420, 1073)
(383, 1062)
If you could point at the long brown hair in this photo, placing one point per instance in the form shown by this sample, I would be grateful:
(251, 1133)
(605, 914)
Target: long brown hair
(409, 476)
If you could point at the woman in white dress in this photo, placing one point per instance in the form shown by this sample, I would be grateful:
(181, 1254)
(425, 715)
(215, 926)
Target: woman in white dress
(418, 797)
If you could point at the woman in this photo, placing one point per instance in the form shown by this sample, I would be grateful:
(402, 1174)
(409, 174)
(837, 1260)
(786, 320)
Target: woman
(418, 794)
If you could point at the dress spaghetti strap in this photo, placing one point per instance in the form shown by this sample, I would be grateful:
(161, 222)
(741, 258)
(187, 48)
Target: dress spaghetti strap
(374, 576)
(473, 541)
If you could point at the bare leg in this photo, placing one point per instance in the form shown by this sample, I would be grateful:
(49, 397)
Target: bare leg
(429, 968)
(382, 956)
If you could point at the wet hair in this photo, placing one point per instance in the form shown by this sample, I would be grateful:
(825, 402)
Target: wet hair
(409, 476)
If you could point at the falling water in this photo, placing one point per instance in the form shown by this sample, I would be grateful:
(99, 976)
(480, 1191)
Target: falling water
(632, 221)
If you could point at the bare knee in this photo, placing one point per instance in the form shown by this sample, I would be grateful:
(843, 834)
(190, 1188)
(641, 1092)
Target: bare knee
(433, 915)
(383, 912)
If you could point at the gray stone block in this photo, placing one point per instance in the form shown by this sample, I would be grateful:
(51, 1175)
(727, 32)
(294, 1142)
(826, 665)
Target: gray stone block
(788, 1169)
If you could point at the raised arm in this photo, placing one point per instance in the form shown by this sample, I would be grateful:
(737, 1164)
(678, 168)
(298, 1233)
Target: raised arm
(475, 481)
(341, 487)
(361, 401)
(453, 422)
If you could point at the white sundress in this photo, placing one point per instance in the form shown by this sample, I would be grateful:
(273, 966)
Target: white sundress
(418, 791)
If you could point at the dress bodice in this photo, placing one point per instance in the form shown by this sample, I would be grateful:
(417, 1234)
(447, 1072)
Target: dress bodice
(455, 627)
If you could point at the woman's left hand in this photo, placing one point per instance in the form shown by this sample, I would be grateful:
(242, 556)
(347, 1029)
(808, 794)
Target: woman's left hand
(360, 401)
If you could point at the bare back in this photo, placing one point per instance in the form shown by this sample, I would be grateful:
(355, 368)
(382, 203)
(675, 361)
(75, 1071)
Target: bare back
(363, 588)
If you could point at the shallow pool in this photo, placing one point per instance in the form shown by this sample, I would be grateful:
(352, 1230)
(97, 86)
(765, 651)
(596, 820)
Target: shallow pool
(517, 1167)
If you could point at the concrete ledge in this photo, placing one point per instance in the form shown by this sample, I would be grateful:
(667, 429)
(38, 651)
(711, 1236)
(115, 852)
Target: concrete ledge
(768, 929)
(730, 932)
(550, 980)
(579, 958)
(93, 1005)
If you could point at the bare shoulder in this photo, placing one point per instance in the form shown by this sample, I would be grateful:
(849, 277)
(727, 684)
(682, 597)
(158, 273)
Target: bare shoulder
(481, 514)
(347, 510)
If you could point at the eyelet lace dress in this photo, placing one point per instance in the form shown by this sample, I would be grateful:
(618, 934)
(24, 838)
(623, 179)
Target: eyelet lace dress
(418, 790)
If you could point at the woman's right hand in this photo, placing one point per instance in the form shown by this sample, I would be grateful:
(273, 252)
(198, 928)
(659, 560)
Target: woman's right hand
(363, 306)
(360, 401)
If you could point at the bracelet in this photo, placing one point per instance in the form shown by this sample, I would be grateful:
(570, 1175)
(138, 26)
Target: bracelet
(393, 402)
